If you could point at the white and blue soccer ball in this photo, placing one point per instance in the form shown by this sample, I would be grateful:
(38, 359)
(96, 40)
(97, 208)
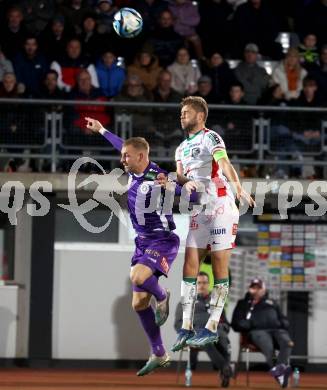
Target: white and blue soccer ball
(127, 23)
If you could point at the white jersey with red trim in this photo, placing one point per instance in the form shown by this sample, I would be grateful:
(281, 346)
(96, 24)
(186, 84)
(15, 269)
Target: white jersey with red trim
(195, 154)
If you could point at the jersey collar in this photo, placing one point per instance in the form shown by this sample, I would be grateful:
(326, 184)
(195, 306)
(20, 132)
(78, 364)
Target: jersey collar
(194, 135)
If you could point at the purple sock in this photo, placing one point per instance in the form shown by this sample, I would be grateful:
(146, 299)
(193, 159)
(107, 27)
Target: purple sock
(152, 330)
(152, 286)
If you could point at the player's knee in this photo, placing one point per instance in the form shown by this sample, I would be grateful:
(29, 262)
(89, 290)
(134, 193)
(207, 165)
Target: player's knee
(137, 279)
(139, 303)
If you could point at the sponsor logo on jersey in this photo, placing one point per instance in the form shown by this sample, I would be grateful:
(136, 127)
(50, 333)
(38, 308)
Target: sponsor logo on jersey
(144, 188)
(218, 231)
(186, 152)
(214, 138)
(164, 265)
(234, 229)
(152, 252)
(195, 152)
(151, 175)
(153, 260)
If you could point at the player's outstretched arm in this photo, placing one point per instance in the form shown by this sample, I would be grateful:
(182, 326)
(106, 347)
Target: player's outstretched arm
(96, 126)
(232, 176)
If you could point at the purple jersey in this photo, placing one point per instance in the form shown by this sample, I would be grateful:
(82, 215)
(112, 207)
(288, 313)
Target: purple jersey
(145, 198)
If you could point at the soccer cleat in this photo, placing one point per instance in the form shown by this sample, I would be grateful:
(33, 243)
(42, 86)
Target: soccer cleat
(153, 363)
(162, 310)
(182, 337)
(203, 337)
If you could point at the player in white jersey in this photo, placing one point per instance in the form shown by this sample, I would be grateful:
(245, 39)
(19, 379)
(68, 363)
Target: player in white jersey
(202, 161)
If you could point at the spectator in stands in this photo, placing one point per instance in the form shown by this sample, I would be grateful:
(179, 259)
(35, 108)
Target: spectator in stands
(74, 12)
(218, 353)
(37, 14)
(255, 22)
(50, 89)
(261, 320)
(274, 97)
(71, 64)
(105, 15)
(150, 11)
(320, 73)
(312, 20)
(13, 34)
(221, 75)
(308, 51)
(53, 39)
(134, 91)
(253, 77)
(164, 93)
(185, 73)
(111, 76)
(289, 74)
(165, 40)
(146, 67)
(5, 65)
(205, 90)
(30, 66)
(309, 96)
(186, 19)
(215, 15)
(84, 90)
(92, 41)
(236, 94)
(9, 88)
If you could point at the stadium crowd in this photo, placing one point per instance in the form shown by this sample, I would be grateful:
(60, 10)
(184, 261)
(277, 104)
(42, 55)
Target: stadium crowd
(67, 49)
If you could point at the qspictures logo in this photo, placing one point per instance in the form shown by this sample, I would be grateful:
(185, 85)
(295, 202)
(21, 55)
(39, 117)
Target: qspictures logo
(12, 195)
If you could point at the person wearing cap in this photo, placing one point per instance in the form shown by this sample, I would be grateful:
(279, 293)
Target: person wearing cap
(262, 321)
(205, 90)
(253, 77)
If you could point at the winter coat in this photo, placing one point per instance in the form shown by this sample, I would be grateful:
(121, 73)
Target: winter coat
(183, 76)
(111, 79)
(148, 74)
(279, 76)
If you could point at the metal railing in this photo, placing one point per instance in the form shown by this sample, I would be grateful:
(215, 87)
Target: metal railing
(260, 135)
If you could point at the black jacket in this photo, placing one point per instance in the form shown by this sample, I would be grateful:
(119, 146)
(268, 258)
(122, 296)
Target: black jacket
(266, 314)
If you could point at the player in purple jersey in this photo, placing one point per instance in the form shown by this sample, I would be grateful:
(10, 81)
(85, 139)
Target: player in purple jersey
(156, 244)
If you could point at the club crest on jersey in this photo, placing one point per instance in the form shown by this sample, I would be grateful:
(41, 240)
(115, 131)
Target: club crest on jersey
(195, 152)
(234, 229)
(144, 188)
(164, 264)
(193, 224)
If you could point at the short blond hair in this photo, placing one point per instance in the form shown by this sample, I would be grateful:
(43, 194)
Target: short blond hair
(197, 103)
(138, 143)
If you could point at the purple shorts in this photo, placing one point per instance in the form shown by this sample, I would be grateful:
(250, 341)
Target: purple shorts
(156, 252)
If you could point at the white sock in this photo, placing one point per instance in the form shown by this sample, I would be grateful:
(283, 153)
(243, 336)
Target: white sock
(218, 298)
(188, 294)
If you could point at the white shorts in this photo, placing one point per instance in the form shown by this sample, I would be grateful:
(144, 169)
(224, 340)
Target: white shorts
(216, 231)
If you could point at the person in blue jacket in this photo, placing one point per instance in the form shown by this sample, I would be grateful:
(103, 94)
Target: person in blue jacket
(111, 76)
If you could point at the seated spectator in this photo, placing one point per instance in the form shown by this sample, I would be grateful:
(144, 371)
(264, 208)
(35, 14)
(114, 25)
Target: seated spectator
(13, 34)
(263, 323)
(308, 51)
(186, 19)
(164, 93)
(92, 41)
(30, 66)
(105, 15)
(221, 75)
(289, 74)
(9, 88)
(84, 90)
(54, 38)
(150, 11)
(185, 73)
(320, 73)
(205, 90)
(50, 89)
(37, 14)
(255, 21)
(111, 76)
(134, 91)
(165, 40)
(309, 96)
(5, 65)
(146, 66)
(71, 64)
(236, 94)
(274, 97)
(74, 12)
(218, 353)
(253, 77)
